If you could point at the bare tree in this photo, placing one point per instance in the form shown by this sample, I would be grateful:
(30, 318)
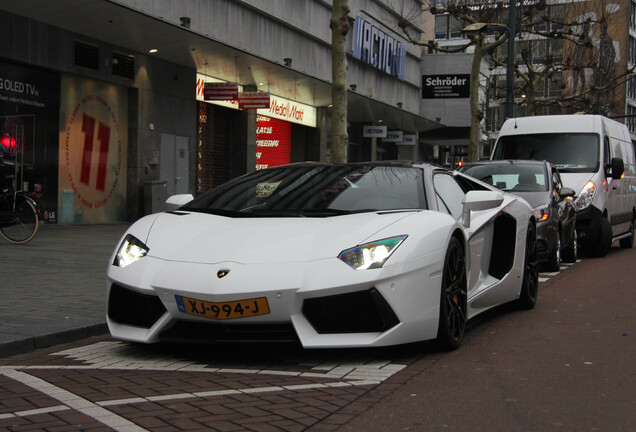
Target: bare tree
(479, 19)
(339, 25)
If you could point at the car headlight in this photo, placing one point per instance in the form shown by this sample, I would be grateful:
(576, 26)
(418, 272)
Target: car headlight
(131, 250)
(541, 213)
(371, 255)
(586, 196)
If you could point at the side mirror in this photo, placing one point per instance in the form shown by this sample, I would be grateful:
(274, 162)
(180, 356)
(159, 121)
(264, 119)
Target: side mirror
(176, 201)
(479, 200)
(565, 192)
(616, 168)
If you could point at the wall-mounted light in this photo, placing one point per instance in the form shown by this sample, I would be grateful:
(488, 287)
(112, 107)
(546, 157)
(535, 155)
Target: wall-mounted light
(287, 61)
(399, 104)
(353, 87)
(185, 22)
(111, 61)
(153, 50)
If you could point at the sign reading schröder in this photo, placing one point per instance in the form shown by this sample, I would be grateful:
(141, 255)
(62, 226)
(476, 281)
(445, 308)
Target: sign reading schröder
(445, 86)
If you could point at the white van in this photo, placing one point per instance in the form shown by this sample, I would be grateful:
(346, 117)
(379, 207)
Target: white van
(595, 157)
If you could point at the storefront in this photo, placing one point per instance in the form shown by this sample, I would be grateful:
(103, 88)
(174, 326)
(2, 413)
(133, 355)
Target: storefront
(69, 153)
(29, 111)
(285, 132)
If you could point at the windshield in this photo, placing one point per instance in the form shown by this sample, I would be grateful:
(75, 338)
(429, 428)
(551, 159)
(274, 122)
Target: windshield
(511, 177)
(569, 152)
(315, 190)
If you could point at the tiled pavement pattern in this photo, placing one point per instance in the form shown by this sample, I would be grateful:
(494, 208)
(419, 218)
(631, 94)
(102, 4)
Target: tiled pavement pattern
(115, 386)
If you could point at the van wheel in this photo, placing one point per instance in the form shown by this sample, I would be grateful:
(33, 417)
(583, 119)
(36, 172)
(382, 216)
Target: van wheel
(628, 242)
(570, 253)
(554, 260)
(604, 240)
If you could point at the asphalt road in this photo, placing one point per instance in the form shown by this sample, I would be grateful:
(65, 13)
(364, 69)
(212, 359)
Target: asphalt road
(567, 365)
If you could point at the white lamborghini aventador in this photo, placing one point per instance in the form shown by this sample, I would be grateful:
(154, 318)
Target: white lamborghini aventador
(354, 255)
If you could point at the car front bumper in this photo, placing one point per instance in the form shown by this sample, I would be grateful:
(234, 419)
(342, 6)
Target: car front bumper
(323, 303)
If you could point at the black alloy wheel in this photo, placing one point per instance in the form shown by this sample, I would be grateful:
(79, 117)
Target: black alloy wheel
(453, 300)
(530, 283)
(571, 252)
(554, 260)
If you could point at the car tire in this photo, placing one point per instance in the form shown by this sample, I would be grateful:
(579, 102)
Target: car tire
(530, 282)
(628, 242)
(554, 259)
(571, 252)
(453, 298)
(604, 240)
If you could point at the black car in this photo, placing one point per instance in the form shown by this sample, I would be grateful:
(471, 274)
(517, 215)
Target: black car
(539, 183)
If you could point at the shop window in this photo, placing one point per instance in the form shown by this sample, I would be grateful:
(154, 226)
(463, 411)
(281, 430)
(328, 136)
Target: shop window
(86, 55)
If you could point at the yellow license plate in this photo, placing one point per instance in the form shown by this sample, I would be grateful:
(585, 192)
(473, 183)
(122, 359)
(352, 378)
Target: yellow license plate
(223, 310)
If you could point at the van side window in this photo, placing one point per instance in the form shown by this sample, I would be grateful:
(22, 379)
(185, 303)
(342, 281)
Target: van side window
(607, 151)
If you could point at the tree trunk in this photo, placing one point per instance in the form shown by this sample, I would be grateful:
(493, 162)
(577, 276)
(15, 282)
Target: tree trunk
(339, 25)
(475, 112)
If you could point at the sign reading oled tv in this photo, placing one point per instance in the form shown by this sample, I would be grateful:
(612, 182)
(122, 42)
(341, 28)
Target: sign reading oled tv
(445, 86)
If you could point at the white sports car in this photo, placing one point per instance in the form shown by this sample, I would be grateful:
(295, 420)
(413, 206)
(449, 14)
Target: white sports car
(354, 255)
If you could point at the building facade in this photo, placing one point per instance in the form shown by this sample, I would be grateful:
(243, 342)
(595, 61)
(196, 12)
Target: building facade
(104, 114)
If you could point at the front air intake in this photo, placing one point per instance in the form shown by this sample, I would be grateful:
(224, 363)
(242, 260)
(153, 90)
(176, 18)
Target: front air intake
(357, 312)
(132, 308)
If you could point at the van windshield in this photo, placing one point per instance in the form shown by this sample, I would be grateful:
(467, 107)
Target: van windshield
(569, 152)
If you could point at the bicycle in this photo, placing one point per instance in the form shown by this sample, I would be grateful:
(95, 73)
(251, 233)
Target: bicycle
(19, 219)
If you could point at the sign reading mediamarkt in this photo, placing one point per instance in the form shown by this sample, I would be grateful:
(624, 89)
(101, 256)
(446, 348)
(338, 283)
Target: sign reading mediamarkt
(295, 112)
(279, 108)
(445, 86)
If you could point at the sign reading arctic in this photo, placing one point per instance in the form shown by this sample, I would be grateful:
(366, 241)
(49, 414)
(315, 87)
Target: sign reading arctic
(373, 46)
(445, 86)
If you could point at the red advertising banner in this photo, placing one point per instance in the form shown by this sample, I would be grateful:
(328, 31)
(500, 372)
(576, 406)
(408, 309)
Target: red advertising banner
(253, 100)
(273, 142)
(220, 91)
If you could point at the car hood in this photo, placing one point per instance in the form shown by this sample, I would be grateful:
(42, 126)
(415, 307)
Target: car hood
(535, 199)
(205, 238)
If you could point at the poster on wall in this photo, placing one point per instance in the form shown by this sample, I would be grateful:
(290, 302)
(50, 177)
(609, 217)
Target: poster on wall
(92, 155)
(273, 142)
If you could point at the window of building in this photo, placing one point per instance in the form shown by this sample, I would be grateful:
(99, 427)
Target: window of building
(555, 86)
(448, 27)
(556, 50)
(630, 121)
(441, 26)
(631, 86)
(632, 15)
(631, 50)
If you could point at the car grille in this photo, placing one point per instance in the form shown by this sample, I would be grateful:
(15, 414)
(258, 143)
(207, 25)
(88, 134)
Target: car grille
(133, 308)
(200, 332)
(357, 312)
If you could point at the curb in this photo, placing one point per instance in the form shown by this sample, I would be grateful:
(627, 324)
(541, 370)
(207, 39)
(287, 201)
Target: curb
(33, 343)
